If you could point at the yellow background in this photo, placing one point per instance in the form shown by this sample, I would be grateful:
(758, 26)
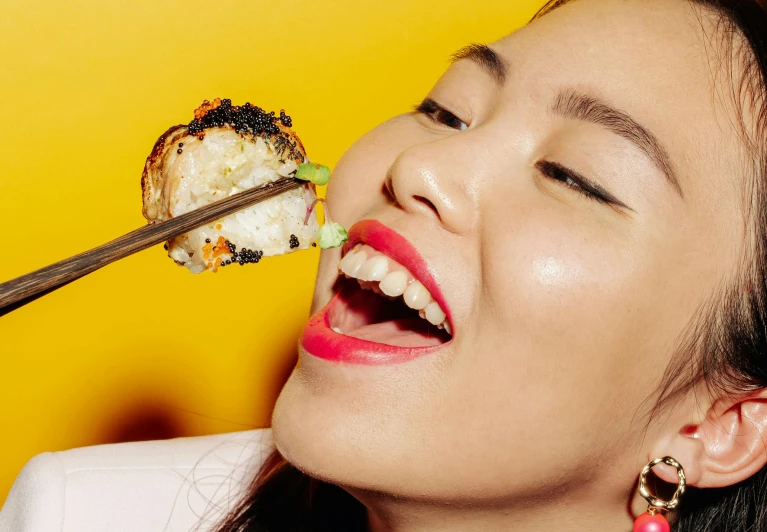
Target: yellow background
(143, 349)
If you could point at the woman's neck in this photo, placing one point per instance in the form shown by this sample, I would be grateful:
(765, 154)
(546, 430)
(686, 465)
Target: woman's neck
(386, 514)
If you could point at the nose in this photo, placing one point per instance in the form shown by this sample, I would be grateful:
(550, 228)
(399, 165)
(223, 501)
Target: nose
(431, 180)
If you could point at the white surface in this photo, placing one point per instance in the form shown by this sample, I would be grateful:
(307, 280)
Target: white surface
(172, 485)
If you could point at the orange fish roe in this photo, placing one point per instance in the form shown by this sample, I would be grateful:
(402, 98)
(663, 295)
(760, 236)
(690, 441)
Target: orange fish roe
(206, 107)
(221, 247)
(206, 250)
(216, 264)
(218, 226)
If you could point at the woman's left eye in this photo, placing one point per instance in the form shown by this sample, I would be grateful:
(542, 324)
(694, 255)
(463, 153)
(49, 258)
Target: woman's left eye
(440, 115)
(576, 182)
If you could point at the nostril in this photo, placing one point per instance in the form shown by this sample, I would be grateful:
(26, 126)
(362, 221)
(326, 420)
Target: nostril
(427, 202)
(388, 193)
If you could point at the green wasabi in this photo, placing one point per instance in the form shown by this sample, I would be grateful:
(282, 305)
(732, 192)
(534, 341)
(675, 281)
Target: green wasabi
(319, 174)
(332, 235)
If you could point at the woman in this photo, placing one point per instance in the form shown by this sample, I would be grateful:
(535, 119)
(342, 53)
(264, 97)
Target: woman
(583, 207)
(586, 200)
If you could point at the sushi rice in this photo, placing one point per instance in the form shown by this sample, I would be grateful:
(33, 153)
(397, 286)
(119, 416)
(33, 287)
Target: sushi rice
(198, 170)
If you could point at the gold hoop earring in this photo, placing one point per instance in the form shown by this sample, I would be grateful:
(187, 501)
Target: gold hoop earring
(653, 520)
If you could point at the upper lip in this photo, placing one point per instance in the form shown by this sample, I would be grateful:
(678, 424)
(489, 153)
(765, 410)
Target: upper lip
(386, 240)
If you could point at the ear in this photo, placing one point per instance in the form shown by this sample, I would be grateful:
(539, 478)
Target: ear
(727, 446)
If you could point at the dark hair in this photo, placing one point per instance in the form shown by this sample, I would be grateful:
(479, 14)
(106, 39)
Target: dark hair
(726, 348)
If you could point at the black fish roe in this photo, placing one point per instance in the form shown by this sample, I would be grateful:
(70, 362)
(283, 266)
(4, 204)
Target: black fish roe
(248, 256)
(243, 118)
(207, 240)
(179, 151)
(285, 119)
(294, 242)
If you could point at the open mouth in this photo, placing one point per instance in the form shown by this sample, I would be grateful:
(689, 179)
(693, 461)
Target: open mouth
(383, 311)
(381, 301)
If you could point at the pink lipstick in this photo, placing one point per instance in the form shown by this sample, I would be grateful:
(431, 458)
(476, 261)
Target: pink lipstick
(398, 336)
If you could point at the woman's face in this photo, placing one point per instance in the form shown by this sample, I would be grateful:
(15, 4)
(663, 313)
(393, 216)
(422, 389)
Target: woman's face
(575, 197)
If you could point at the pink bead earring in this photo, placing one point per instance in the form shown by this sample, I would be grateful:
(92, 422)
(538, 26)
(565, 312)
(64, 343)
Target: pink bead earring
(653, 520)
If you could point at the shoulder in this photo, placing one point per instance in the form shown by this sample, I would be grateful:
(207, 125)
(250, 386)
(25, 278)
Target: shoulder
(154, 485)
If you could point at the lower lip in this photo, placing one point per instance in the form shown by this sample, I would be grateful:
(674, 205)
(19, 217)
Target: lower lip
(319, 340)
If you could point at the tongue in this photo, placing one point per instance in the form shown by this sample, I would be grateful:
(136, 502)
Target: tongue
(404, 332)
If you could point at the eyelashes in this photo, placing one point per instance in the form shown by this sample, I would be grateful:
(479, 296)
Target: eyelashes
(440, 115)
(573, 180)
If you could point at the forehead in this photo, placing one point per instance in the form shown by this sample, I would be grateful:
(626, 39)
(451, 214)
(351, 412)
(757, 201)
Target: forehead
(660, 42)
(653, 59)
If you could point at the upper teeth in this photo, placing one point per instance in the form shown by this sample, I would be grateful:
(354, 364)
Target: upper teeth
(369, 266)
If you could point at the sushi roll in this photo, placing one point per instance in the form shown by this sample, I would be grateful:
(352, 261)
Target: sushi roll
(227, 149)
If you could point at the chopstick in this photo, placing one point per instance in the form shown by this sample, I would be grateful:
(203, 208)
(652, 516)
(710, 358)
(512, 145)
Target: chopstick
(22, 290)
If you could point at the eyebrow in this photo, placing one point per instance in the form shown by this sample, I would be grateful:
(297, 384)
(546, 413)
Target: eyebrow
(572, 104)
(485, 57)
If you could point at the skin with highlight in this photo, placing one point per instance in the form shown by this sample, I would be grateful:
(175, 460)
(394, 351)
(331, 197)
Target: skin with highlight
(568, 299)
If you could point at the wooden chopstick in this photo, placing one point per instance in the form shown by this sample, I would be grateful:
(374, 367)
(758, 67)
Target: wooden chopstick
(21, 290)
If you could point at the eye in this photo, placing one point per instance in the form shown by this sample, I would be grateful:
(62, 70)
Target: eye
(575, 181)
(440, 115)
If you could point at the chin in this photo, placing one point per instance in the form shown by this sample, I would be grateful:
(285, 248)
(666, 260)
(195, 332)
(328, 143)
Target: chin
(339, 424)
(359, 427)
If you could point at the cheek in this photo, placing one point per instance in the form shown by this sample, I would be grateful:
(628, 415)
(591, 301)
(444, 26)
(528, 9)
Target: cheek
(561, 279)
(575, 303)
(554, 271)
(549, 273)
